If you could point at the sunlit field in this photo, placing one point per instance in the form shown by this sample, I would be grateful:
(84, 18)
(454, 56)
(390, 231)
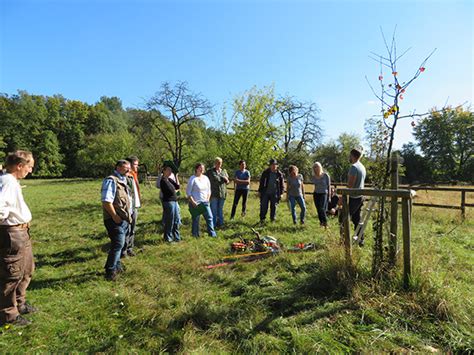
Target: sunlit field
(167, 301)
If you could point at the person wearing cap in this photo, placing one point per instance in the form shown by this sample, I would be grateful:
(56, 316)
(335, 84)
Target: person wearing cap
(270, 190)
(134, 187)
(16, 255)
(116, 204)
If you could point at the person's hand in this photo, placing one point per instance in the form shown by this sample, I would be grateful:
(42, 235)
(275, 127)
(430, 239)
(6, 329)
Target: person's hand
(117, 219)
(194, 204)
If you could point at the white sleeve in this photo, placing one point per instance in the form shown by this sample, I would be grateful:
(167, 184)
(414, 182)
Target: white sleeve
(7, 193)
(189, 187)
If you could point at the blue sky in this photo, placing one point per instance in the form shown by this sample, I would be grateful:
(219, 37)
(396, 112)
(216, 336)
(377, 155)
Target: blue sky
(313, 50)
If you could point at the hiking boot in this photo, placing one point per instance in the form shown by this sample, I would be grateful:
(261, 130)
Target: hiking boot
(19, 321)
(130, 252)
(27, 308)
(113, 276)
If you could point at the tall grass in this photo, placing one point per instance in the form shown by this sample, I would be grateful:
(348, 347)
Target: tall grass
(302, 302)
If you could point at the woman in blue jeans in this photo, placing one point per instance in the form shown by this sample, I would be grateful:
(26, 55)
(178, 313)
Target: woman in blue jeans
(295, 192)
(322, 185)
(199, 193)
(171, 216)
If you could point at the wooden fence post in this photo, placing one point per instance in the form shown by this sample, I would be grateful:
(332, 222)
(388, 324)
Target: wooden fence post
(463, 205)
(347, 231)
(406, 241)
(392, 239)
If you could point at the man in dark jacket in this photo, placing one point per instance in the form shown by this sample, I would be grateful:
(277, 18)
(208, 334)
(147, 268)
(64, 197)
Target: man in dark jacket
(270, 189)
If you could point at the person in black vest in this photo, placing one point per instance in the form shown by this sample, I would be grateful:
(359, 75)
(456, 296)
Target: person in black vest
(270, 189)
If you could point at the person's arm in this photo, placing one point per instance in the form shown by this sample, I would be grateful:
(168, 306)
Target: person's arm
(109, 207)
(189, 190)
(225, 176)
(351, 181)
(209, 191)
(109, 188)
(329, 187)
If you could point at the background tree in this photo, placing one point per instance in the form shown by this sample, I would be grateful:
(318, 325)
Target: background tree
(446, 138)
(254, 137)
(179, 106)
(334, 156)
(417, 167)
(301, 127)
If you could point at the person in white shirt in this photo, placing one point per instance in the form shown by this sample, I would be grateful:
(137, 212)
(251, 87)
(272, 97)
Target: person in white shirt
(199, 193)
(16, 255)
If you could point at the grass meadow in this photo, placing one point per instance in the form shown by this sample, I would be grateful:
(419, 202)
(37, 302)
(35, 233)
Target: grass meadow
(301, 302)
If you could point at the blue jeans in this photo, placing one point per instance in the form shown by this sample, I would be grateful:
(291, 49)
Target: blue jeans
(171, 221)
(117, 234)
(209, 221)
(321, 203)
(265, 199)
(301, 203)
(217, 208)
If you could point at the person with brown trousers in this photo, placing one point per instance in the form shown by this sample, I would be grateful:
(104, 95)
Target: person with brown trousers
(16, 255)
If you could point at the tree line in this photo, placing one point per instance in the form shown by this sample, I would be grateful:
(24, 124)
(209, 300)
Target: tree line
(70, 138)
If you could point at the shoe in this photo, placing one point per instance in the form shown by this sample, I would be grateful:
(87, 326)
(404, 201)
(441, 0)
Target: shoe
(294, 222)
(124, 255)
(121, 269)
(27, 308)
(19, 321)
(113, 276)
(361, 242)
(130, 252)
(243, 214)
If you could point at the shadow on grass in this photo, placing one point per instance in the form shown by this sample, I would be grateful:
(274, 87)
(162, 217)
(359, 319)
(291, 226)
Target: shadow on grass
(69, 256)
(75, 279)
(80, 208)
(315, 290)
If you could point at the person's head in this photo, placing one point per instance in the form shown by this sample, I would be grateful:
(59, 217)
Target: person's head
(199, 169)
(273, 164)
(167, 171)
(242, 164)
(19, 163)
(122, 166)
(218, 163)
(333, 190)
(317, 168)
(293, 170)
(133, 163)
(355, 155)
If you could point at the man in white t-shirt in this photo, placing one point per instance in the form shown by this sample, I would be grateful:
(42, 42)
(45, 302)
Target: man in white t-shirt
(16, 256)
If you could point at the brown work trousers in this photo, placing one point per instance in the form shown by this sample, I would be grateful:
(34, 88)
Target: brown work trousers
(16, 268)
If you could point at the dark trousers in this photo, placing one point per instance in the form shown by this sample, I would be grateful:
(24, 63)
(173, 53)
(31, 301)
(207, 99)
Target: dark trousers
(355, 206)
(321, 203)
(239, 193)
(130, 237)
(117, 234)
(266, 199)
(16, 269)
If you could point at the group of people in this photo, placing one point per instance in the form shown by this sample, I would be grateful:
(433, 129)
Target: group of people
(206, 193)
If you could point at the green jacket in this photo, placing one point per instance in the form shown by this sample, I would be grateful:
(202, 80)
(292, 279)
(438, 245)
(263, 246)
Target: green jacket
(218, 184)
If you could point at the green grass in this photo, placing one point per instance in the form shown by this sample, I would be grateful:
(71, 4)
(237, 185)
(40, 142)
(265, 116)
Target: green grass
(168, 302)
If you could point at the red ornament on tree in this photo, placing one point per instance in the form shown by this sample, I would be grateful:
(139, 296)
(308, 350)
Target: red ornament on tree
(380, 77)
(422, 69)
(413, 124)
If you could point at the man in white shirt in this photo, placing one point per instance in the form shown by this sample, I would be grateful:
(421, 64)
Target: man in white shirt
(16, 256)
